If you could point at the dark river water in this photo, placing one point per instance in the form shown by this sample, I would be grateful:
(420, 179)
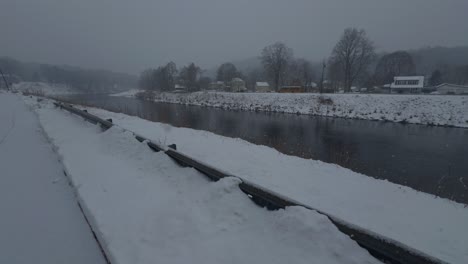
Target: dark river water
(427, 158)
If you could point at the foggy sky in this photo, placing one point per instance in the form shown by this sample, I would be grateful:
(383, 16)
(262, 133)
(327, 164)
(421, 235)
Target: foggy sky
(128, 36)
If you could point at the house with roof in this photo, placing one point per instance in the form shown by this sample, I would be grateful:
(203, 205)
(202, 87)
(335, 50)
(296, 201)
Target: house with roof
(218, 86)
(262, 87)
(238, 85)
(180, 88)
(407, 84)
(446, 88)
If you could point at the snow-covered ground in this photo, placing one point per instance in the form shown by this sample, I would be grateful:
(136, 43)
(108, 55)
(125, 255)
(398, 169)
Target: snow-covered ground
(44, 89)
(418, 109)
(148, 209)
(40, 221)
(129, 93)
(432, 225)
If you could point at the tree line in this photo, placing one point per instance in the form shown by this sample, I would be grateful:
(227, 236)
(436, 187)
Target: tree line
(353, 62)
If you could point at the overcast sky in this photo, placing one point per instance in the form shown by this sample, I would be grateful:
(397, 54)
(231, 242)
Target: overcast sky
(128, 36)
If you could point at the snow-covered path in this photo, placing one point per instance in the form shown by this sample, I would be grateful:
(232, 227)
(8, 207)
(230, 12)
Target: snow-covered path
(40, 221)
(432, 225)
(150, 210)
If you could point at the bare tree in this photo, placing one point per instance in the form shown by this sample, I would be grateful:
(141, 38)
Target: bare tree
(354, 52)
(253, 76)
(189, 76)
(335, 76)
(226, 72)
(436, 78)
(300, 71)
(399, 63)
(204, 82)
(462, 74)
(166, 76)
(275, 59)
(147, 80)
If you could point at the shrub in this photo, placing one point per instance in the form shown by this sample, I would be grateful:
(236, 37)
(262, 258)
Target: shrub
(145, 95)
(325, 100)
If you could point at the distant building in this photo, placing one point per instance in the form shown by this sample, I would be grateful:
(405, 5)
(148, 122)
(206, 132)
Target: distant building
(262, 87)
(447, 88)
(407, 84)
(292, 89)
(238, 85)
(180, 88)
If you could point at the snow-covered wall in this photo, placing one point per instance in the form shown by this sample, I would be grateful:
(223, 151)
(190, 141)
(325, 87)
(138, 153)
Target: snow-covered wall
(417, 109)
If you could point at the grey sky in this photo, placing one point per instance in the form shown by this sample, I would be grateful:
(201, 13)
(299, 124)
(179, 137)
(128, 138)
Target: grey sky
(124, 35)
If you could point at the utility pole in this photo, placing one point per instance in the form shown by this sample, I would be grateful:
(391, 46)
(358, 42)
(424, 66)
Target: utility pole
(6, 83)
(324, 65)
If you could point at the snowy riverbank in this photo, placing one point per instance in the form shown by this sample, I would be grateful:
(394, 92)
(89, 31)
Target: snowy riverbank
(418, 109)
(433, 225)
(147, 208)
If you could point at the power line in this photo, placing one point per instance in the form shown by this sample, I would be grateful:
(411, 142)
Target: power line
(4, 79)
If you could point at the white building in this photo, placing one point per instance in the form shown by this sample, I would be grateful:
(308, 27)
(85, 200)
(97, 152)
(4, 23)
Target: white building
(407, 84)
(180, 88)
(447, 88)
(262, 87)
(218, 86)
(238, 85)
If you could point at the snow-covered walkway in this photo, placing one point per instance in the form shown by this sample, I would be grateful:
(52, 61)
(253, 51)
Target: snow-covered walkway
(40, 221)
(436, 226)
(150, 210)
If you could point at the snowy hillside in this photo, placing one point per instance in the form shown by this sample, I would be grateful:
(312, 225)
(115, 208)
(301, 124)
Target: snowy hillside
(416, 109)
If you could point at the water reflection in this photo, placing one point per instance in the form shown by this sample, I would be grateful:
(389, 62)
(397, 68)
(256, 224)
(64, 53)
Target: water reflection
(429, 159)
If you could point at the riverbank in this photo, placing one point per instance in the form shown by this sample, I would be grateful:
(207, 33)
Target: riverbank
(440, 110)
(427, 223)
(147, 208)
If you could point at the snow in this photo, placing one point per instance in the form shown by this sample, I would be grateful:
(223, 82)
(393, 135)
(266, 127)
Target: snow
(418, 79)
(432, 225)
(263, 84)
(129, 93)
(418, 109)
(148, 209)
(41, 88)
(40, 220)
